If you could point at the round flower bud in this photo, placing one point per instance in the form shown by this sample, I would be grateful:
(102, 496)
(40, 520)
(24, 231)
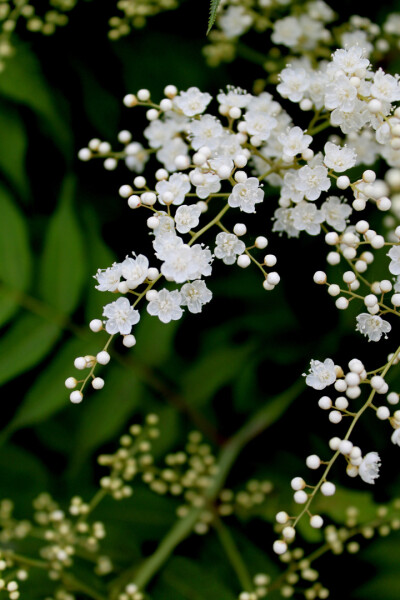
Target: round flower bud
(97, 383)
(166, 104)
(129, 341)
(152, 273)
(359, 204)
(341, 403)
(333, 258)
(153, 222)
(307, 154)
(374, 106)
(333, 290)
(300, 497)
(129, 100)
(84, 154)
(243, 261)
(143, 95)
(345, 447)
(383, 413)
(332, 238)
(349, 276)
(182, 161)
(369, 176)
(240, 229)
(343, 182)
(319, 277)
(352, 379)
(362, 226)
(149, 198)
(273, 278)
(395, 300)
(370, 300)
(139, 182)
(279, 547)
(125, 191)
(325, 403)
(110, 164)
(328, 488)
(134, 201)
(170, 91)
(76, 397)
(261, 242)
(71, 383)
(161, 174)
(335, 417)
(393, 398)
(313, 461)
(386, 286)
(352, 470)
(270, 260)
(96, 325)
(377, 382)
(151, 295)
(384, 203)
(240, 161)
(80, 363)
(342, 303)
(123, 287)
(316, 522)
(356, 366)
(282, 517)
(353, 392)
(240, 176)
(378, 242)
(289, 533)
(334, 443)
(103, 358)
(340, 385)
(297, 483)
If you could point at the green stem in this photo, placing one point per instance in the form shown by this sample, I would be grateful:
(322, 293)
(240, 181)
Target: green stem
(210, 224)
(263, 419)
(233, 554)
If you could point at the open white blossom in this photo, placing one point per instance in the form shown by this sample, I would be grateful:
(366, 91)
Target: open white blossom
(228, 247)
(369, 468)
(396, 437)
(121, 317)
(195, 295)
(192, 102)
(109, 279)
(335, 212)
(135, 270)
(339, 159)
(321, 374)
(306, 217)
(187, 218)
(246, 195)
(174, 190)
(166, 306)
(312, 181)
(372, 326)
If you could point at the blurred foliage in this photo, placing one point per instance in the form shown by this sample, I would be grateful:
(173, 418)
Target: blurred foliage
(60, 221)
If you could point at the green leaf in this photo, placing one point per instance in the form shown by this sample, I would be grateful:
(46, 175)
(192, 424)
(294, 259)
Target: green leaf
(24, 84)
(23, 476)
(15, 264)
(63, 265)
(48, 394)
(105, 412)
(214, 4)
(13, 138)
(25, 344)
(211, 372)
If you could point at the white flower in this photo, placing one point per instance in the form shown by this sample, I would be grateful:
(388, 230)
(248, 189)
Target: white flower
(321, 374)
(372, 326)
(396, 437)
(137, 157)
(385, 87)
(246, 195)
(202, 259)
(234, 21)
(339, 159)
(166, 306)
(312, 181)
(121, 316)
(260, 124)
(289, 190)
(187, 218)
(228, 247)
(287, 32)
(394, 254)
(167, 243)
(179, 265)
(341, 94)
(294, 83)
(108, 279)
(369, 468)
(349, 61)
(160, 133)
(235, 96)
(205, 132)
(135, 270)
(294, 141)
(194, 295)
(178, 185)
(336, 212)
(284, 222)
(192, 102)
(306, 217)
